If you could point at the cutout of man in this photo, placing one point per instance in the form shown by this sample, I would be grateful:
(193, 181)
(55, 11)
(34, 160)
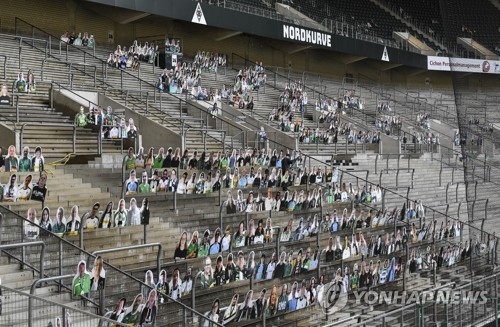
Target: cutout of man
(81, 282)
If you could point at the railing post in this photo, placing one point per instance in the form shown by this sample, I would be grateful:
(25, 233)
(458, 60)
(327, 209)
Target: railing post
(74, 139)
(139, 77)
(174, 208)
(80, 235)
(404, 270)
(19, 58)
(60, 261)
(220, 216)
(384, 192)
(17, 109)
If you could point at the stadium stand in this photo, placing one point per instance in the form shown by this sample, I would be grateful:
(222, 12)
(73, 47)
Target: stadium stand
(125, 216)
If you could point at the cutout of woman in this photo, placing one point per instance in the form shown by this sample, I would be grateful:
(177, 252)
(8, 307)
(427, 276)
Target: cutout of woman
(119, 311)
(181, 249)
(24, 192)
(232, 310)
(150, 284)
(4, 96)
(230, 204)
(46, 222)
(106, 220)
(249, 272)
(240, 235)
(31, 83)
(148, 315)
(133, 214)
(133, 312)
(98, 275)
(191, 184)
(272, 303)
(69, 323)
(182, 186)
(31, 229)
(213, 314)
(247, 311)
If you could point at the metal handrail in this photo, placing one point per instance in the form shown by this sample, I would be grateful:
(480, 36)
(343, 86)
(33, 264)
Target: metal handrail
(133, 76)
(359, 111)
(245, 137)
(204, 130)
(70, 66)
(109, 265)
(21, 40)
(356, 171)
(132, 247)
(65, 308)
(4, 65)
(32, 292)
(73, 92)
(23, 245)
(384, 190)
(48, 124)
(397, 174)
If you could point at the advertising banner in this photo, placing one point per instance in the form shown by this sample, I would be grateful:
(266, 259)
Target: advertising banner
(463, 65)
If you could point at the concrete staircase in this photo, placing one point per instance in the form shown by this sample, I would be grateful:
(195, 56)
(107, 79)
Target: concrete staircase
(35, 112)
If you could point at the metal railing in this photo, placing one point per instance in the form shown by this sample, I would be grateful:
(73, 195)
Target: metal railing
(65, 264)
(39, 306)
(384, 190)
(72, 126)
(449, 313)
(387, 170)
(122, 73)
(4, 57)
(23, 246)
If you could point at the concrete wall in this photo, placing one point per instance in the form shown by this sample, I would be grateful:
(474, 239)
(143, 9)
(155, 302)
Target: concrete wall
(83, 98)
(446, 132)
(224, 121)
(230, 121)
(153, 134)
(277, 138)
(9, 137)
(389, 144)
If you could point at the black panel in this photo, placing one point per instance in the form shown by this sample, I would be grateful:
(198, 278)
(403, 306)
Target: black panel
(260, 26)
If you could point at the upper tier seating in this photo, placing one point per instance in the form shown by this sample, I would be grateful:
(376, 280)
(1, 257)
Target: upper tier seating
(471, 19)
